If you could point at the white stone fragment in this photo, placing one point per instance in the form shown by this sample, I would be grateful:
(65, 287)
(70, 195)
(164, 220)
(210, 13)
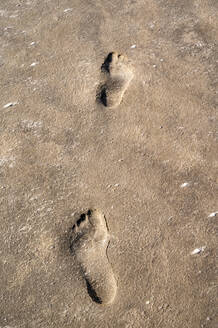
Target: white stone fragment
(213, 214)
(185, 184)
(151, 25)
(34, 64)
(68, 9)
(198, 250)
(10, 104)
(133, 46)
(8, 28)
(3, 12)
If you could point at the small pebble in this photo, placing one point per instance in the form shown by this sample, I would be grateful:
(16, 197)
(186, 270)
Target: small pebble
(133, 46)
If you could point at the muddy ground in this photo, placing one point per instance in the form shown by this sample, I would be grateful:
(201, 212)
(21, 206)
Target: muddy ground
(150, 165)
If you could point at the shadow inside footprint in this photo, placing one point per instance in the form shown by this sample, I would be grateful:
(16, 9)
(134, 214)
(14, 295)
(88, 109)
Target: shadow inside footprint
(101, 95)
(92, 293)
(106, 64)
(81, 219)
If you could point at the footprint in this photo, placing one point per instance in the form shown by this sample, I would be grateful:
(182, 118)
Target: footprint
(119, 74)
(89, 242)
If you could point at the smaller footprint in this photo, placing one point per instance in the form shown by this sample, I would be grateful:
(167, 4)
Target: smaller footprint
(119, 74)
(89, 242)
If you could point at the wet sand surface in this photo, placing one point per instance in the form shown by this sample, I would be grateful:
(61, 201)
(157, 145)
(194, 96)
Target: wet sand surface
(150, 164)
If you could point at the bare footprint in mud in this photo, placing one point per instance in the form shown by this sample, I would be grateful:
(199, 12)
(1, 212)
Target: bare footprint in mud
(119, 74)
(89, 242)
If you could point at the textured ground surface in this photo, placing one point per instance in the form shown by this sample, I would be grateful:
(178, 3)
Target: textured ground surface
(150, 165)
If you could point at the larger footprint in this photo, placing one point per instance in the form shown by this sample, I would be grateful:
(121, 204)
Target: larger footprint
(90, 239)
(119, 74)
